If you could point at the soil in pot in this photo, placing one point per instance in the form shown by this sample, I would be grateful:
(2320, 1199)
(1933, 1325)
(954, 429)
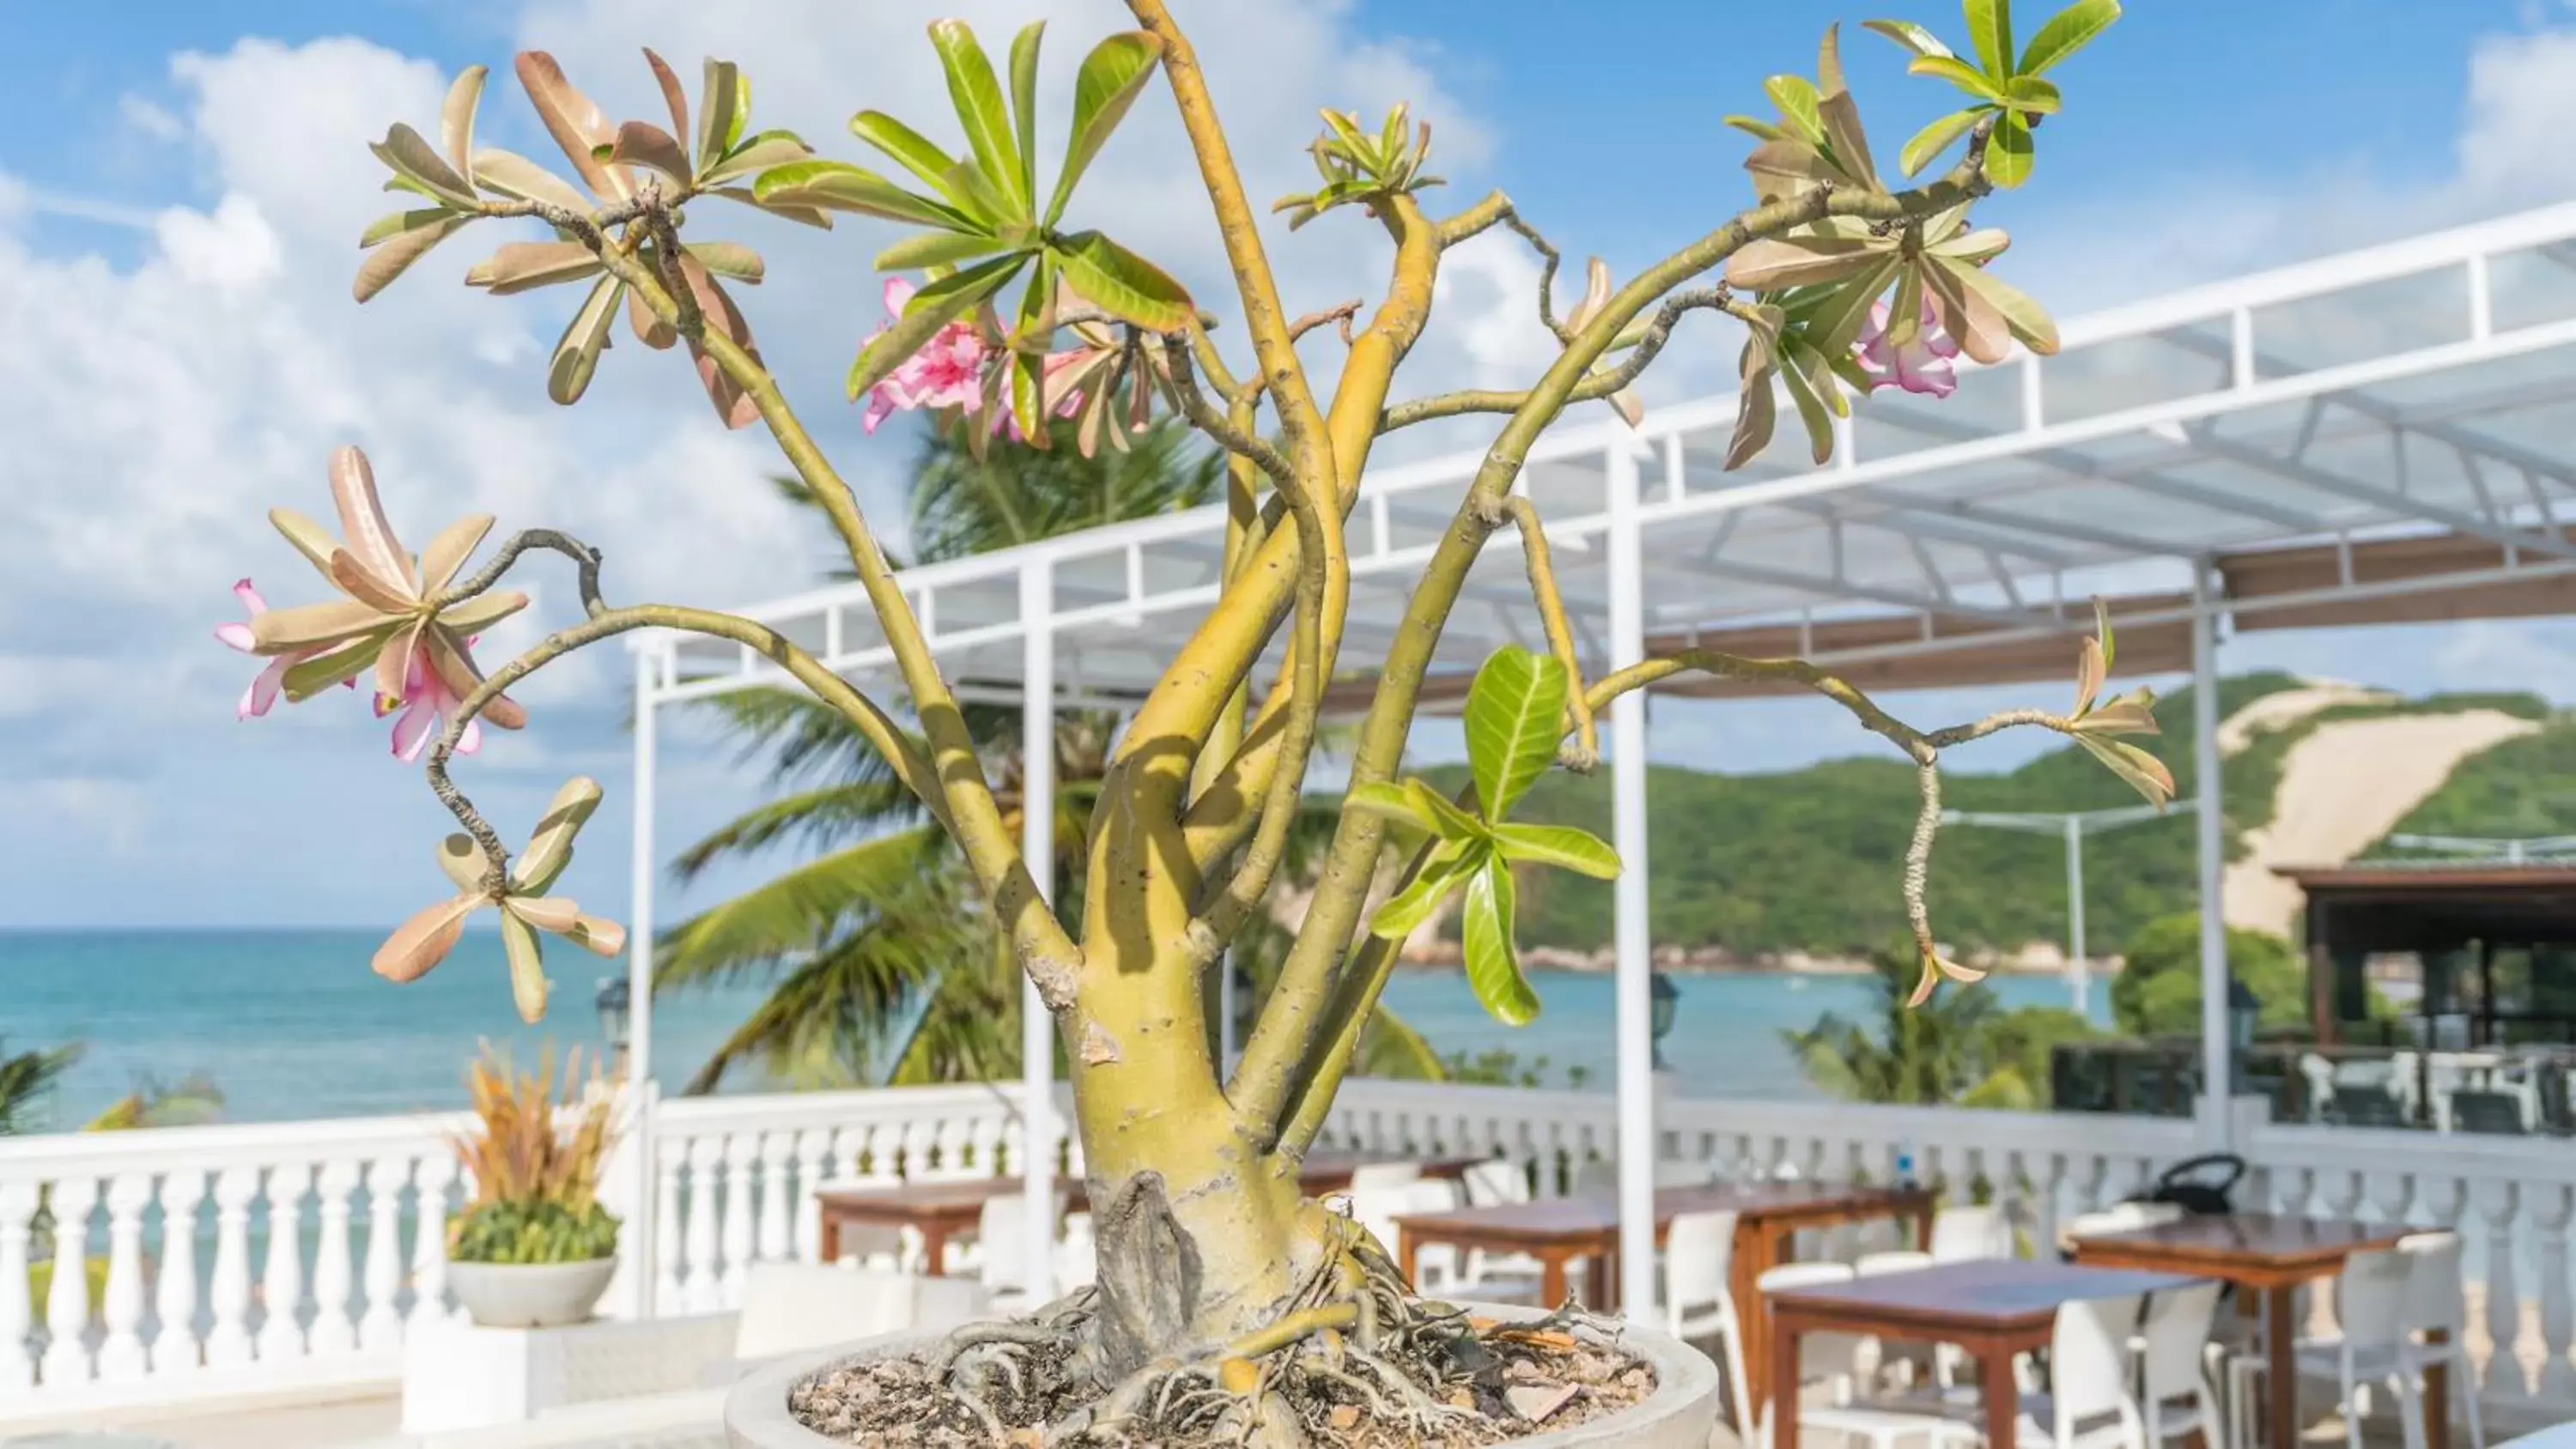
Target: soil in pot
(1441, 1380)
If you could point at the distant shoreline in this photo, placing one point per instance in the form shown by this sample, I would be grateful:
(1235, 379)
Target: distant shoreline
(1711, 962)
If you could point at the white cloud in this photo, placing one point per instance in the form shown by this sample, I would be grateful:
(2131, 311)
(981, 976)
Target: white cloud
(150, 118)
(230, 250)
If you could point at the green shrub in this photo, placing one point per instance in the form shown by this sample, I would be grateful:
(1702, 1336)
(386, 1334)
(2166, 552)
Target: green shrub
(531, 1232)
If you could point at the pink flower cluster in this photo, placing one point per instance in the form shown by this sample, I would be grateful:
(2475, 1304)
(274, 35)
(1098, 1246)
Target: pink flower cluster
(426, 705)
(1922, 365)
(948, 372)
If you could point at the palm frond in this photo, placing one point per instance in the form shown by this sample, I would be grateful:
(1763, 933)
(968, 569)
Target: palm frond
(27, 1081)
(815, 819)
(803, 909)
(802, 737)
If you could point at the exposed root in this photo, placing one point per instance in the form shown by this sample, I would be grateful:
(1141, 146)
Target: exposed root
(1350, 1362)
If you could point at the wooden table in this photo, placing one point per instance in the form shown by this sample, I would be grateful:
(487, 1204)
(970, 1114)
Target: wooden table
(2271, 1255)
(1994, 1308)
(942, 1210)
(1559, 1231)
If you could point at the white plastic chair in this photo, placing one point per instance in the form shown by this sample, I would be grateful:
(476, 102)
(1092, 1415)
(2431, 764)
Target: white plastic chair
(2434, 1305)
(1001, 1256)
(1376, 1176)
(1970, 1231)
(1494, 1183)
(2174, 1366)
(1825, 1356)
(1077, 1255)
(2088, 1405)
(1699, 1299)
(1435, 1266)
(2371, 1300)
(1874, 1358)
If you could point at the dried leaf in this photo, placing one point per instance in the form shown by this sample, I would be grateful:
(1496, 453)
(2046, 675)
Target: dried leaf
(527, 958)
(550, 845)
(553, 914)
(641, 143)
(396, 253)
(423, 941)
(304, 626)
(573, 120)
(413, 158)
(2091, 670)
(650, 330)
(463, 862)
(526, 266)
(363, 526)
(456, 120)
(515, 175)
(366, 588)
(576, 355)
(673, 97)
(448, 551)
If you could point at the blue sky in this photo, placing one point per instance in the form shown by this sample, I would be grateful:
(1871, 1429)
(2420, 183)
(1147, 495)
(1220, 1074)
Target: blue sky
(181, 186)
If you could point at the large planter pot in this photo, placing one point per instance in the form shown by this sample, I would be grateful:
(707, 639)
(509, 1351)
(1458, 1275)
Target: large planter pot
(1680, 1414)
(530, 1295)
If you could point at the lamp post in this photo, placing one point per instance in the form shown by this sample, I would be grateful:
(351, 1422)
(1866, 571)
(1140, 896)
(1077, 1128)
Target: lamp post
(2071, 826)
(616, 1005)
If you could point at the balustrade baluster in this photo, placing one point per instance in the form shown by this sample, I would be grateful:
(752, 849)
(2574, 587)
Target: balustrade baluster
(228, 1290)
(703, 1288)
(742, 1149)
(67, 1296)
(333, 1332)
(120, 1351)
(175, 1348)
(380, 1327)
(670, 1155)
(2552, 1209)
(813, 1169)
(2498, 1202)
(17, 1312)
(281, 1290)
(777, 1152)
(438, 1170)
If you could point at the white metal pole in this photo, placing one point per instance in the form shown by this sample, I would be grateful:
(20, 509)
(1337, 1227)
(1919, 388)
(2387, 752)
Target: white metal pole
(640, 1227)
(1633, 946)
(2079, 970)
(2217, 1091)
(1037, 845)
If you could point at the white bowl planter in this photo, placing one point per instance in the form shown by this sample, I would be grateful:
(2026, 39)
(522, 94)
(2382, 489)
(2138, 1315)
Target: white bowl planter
(530, 1295)
(1680, 1414)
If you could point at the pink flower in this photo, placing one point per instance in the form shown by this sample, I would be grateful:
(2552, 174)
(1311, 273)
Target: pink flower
(1922, 365)
(427, 704)
(948, 371)
(264, 688)
(1068, 399)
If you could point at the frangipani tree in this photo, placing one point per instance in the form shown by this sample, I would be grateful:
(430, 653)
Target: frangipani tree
(1210, 1263)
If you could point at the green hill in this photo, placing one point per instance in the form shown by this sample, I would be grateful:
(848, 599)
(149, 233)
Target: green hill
(1809, 859)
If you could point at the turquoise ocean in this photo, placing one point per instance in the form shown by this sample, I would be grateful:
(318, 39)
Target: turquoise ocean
(292, 1023)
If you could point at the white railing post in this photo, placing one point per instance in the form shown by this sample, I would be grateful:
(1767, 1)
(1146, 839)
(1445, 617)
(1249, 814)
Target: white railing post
(228, 1291)
(2550, 1217)
(429, 1238)
(777, 1152)
(120, 1352)
(282, 1280)
(333, 1332)
(380, 1326)
(742, 1149)
(67, 1296)
(813, 1168)
(17, 1313)
(704, 1281)
(2497, 1202)
(668, 1156)
(174, 1300)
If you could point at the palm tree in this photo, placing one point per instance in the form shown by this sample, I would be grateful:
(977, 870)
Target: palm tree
(882, 968)
(26, 1082)
(1942, 1052)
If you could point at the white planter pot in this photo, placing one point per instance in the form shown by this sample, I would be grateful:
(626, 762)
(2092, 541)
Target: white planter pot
(530, 1295)
(1680, 1414)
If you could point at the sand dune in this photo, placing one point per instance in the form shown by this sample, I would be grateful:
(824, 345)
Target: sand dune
(2344, 786)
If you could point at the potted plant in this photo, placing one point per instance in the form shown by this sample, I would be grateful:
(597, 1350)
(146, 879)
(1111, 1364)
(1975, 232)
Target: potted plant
(533, 1248)
(1228, 1309)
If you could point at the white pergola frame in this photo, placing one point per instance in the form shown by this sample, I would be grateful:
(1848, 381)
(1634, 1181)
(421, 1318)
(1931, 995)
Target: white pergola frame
(2163, 437)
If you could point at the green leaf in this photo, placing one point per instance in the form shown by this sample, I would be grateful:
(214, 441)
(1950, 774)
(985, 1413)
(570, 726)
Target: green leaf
(1795, 95)
(933, 307)
(720, 112)
(1757, 410)
(2032, 96)
(1444, 871)
(550, 844)
(1559, 845)
(2067, 32)
(1990, 31)
(1958, 73)
(2145, 773)
(576, 354)
(977, 95)
(1811, 387)
(840, 186)
(1390, 801)
(728, 259)
(936, 249)
(1910, 35)
(1935, 138)
(1834, 322)
(2008, 152)
(1493, 964)
(2028, 320)
(396, 223)
(1110, 79)
(911, 150)
(1024, 101)
(1515, 716)
(2102, 631)
(1774, 263)
(527, 967)
(414, 159)
(1762, 130)
(769, 148)
(1121, 283)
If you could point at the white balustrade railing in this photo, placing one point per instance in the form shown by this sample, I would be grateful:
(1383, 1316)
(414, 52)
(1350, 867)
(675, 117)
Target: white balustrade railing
(184, 1263)
(203, 1260)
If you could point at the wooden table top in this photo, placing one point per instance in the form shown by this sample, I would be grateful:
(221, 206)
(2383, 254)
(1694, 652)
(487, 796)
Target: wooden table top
(2220, 1242)
(1984, 1294)
(963, 1198)
(1589, 1217)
